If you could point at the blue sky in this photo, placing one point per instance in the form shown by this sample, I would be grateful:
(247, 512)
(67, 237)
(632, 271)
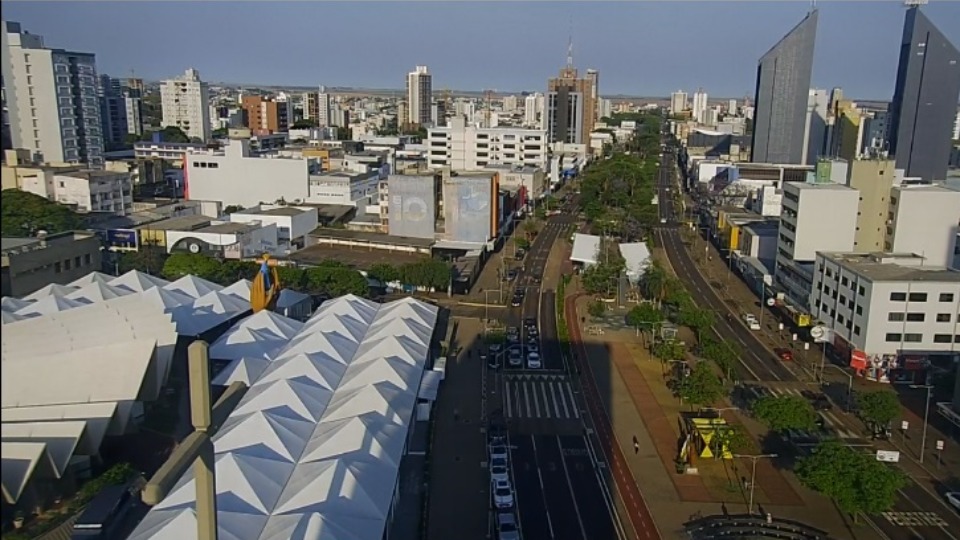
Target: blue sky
(640, 48)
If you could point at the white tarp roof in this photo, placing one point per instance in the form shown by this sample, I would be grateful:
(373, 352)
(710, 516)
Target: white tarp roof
(240, 288)
(50, 304)
(313, 448)
(52, 289)
(60, 439)
(19, 461)
(586, 248)
(193, 286)
(430, 385)
(98, 291)
(100, 418)
(636, 257)
(139, 281)
(92, 277)
(10, 304)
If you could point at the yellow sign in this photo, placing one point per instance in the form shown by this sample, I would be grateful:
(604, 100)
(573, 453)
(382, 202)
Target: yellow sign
(803, 320)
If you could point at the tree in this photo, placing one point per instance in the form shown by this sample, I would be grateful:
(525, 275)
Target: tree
(724, 353)
(335, 281)
(669, 350)
(182, 264)
(856, 481)
(878, 408)
(386, 273)
(343, 133)
(24, 214)
(173, 134)
(654, 282)
(522, 243)
(783, 413)
(646, 316)
(701, 387)
(231, 208)
(149, 258)
(699, 320)
(596, 309)
(304, 123)
(429, 273)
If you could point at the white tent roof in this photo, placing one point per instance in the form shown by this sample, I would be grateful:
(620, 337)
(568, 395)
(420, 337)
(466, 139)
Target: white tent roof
(586, 248)
(193, 285)
(240, 289)
(8, 317)
(290, 297)
(52, 289)
(51, 304)
(222, 303)
(92, 277)
(60, 439)
(246, 370)
(97, 416)
(139, 281)
(636, 257)
(313, 448)
(246, 343)
(98, 291)
(19, 461)
(11, 304)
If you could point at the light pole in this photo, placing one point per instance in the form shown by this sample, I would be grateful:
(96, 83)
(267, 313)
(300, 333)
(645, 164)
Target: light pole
(753, 475)
(849, 381)
(926, 415)
(763, 300)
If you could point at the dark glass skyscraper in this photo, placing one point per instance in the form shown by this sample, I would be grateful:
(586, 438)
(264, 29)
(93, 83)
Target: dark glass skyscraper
(783, 90)
(924, 100)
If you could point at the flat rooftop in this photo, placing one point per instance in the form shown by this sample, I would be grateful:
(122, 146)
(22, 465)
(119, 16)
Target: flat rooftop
(765, 227)
(182, 223)
(14, 243)
(892, 267)
(826, 186)
(228, 228)
(372, 237)
(285, 211)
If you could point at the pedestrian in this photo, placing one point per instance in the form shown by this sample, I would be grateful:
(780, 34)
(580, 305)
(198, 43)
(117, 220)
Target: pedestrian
(636, 446)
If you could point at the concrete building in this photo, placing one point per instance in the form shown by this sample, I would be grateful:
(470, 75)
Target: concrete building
(758, 240)
(86, 190)
(815, 126)
(890, 314)
(234, 176)
(29, 264)
(699, 105)
(923, 220)
(782, 94)
(293, 223)
(873, 179)
(924, 99)
(410, 205)
(19, 168)
(50, 99)
(678, 102)
(419, 96)
(814, 217)
(316, 107)
(265, 116)
(113, 110)
(533, 111)
(530, 180)
(186, 104)
(464, 147)
(571, 104)
(344, 188)
(224, 239)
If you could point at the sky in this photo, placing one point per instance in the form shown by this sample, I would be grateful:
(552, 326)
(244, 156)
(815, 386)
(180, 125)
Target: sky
(639, 48)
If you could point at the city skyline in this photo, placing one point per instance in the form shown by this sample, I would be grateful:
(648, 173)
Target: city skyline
(600, 33)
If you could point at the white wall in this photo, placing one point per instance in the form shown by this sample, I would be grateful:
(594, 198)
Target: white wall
(289, 227)
(461, 147)
(245, 245)
(824, 217)
(239, 179)
(924, 222)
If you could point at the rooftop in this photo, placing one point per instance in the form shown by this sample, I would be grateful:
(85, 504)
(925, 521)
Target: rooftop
(892, 267)
(182, 223)
(229, 228)
(371, 237)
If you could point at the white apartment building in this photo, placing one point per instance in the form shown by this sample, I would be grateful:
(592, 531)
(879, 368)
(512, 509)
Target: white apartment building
(87, 190)
(419, 96)
(186, 104)
(604, 108)
(234, 176)
(678, 102)
(732, 107)
(51, 100)
(814, 217)
(700, 99)
(463, 147)
(889, 309)
(344, 188)
(509, 103)
(815, 130)
(923, 220)
(165, 150)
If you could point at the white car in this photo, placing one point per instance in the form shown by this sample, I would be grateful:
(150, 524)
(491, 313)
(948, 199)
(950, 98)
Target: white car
(498, 451)
(507, 526)
(533, 347)
(499, 470)
(751, 321)
(533, 360)
(502, 494)
(516, 357)
(954, 499)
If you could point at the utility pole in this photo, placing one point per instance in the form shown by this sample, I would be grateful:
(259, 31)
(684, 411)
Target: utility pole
(926, 416)
(753, 475)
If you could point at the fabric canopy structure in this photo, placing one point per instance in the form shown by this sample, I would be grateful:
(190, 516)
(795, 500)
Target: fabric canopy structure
(312, 451)
(586, 249)
(636, 257)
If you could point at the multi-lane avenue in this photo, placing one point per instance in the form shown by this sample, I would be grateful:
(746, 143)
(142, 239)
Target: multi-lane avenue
(917, 513)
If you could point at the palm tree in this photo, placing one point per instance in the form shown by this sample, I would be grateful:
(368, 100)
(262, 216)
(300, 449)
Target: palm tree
(655, 282)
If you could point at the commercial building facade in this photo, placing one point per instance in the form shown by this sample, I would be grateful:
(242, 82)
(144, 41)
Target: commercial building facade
(266, 116)
(571, 105)
(923, 220)
(782, 94)
(186, 104)
(29, 264)
(411, 205)
(463, 147)
(51, 99)
(419, 96)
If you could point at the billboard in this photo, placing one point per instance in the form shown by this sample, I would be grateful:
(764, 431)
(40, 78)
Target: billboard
(469, 207)
(412, 205)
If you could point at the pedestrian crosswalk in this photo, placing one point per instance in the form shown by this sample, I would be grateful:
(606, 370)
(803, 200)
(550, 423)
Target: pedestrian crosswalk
(831, 426)
(539, 396)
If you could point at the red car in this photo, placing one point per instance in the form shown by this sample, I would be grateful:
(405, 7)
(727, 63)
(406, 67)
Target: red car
(784, 354)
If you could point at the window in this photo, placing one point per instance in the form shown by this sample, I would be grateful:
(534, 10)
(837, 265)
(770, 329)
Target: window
(916, 317)
(918, 297)
(893, 338)
(844, 281)
(87, 260)
(856, 330)
(898, 297)
(895, 316)
(840, 319)
(843, 299)
(56, 267)
(859, 310)
(913, 338)
(946, 297)
(942, 338)
(943, 317)
(66, 264)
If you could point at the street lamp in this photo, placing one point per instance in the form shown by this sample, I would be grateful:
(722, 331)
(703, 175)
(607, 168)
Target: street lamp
(753, 475)
(926, 414)
(849, 382)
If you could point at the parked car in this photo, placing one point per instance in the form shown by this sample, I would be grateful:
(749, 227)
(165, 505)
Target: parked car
(498, 451)
(784, 354)
(507, 526)
(517, 300)
(512, 274)
(516, 357)
(499, 470)
(104, 514)
(751, 321)
(530, 321)
(953, 499)
(502, 494)
(819, 400)
(533, 348)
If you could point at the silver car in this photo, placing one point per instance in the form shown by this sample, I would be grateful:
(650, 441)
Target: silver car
(507, 526)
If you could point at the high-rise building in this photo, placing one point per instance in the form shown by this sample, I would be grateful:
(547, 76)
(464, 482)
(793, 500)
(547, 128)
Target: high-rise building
(419, 96)
(266, 115)
(323, 107)
(571, 104)
(924, 99)
(815, 126)
(533, 110)
(956, 127)
(782, 94)
(732, 107)
(186, 104)
(510, 103)
(678, 102)
(604, 108)
(51, 99)
(113, 110)
(699, 105)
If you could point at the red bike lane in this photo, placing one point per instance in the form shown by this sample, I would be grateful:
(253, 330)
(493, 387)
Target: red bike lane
(636, 507)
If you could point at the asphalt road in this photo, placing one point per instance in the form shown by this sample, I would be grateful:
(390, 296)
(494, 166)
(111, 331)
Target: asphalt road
(917, 514)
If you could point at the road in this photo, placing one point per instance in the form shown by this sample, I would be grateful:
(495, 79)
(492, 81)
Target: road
(559, 491)
(917, 514)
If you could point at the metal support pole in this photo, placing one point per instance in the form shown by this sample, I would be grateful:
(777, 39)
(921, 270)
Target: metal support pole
(753, 474)
(926, 417)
